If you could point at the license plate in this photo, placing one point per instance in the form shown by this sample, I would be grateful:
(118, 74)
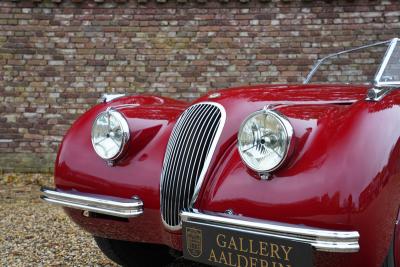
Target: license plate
(221, 246)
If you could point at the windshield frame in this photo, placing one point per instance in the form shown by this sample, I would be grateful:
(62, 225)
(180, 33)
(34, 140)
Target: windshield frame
(376, 81)
(388, 55)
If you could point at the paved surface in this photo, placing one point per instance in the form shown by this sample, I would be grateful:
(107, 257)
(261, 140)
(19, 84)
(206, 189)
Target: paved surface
(33, 233)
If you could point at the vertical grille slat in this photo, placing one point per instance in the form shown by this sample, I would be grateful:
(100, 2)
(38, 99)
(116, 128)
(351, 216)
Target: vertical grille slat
(200, 145)
(178, 131)
(173, 138)
(201, 155)
(189, 151)
(188, 146)
(179, 163)
(187, 118)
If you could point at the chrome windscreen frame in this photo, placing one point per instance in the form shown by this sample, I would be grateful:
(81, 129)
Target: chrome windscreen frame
(377, 79)
(388, 55)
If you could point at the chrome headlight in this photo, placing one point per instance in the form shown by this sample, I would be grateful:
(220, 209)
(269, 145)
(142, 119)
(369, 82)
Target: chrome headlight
(110, 134)
(265, 140)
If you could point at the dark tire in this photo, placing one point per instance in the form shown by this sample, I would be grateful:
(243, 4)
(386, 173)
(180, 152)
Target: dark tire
(134, 254)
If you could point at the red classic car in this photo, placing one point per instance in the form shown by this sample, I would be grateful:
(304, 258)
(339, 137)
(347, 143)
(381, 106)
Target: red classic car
(266, 175)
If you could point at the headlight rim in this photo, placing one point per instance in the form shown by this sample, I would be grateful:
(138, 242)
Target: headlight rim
(123, 123)
(290, 141)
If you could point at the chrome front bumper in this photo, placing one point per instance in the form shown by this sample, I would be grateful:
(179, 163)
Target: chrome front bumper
(319, 239)
(114, 206)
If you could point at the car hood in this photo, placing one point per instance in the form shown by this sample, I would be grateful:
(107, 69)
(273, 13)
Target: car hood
(309, 108)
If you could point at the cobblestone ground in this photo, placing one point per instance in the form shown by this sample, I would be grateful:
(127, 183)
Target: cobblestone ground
(33, 233)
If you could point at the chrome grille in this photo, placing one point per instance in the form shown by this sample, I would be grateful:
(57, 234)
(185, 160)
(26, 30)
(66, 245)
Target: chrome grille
(188, 155)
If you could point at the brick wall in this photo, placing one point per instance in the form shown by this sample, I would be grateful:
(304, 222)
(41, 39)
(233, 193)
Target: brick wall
(56, 59)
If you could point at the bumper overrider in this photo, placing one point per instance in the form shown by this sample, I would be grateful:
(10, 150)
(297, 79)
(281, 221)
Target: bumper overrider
(319, 239)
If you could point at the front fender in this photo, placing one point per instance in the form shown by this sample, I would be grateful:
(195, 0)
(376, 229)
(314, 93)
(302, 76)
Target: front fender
(150, 120)
(344, 175)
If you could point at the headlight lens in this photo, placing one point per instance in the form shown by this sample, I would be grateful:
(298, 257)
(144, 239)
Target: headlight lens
(110, 133)
(265, 139)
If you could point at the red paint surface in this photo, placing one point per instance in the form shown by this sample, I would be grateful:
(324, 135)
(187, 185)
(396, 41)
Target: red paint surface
(343, 175)
(396, 248)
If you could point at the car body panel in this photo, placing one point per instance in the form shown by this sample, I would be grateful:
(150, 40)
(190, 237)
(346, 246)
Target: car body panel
(343, 174)
(396, 241)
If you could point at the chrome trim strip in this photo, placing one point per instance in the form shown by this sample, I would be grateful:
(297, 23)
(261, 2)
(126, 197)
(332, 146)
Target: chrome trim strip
(105, 98)
(385, 61)
(319, 239)
(211, 151)
(377, 93)
(320, 61)
(181, 162)
(179, 141)
(114, 206)
(185, 147)
(194, 118)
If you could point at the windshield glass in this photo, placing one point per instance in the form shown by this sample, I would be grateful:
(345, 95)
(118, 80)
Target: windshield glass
(377, 63)
(390, 71)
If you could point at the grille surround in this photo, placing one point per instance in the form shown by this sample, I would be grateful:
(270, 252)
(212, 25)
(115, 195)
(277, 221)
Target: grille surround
(205, 117)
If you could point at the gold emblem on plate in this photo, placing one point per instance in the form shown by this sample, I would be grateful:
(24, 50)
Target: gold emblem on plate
(194, 242)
